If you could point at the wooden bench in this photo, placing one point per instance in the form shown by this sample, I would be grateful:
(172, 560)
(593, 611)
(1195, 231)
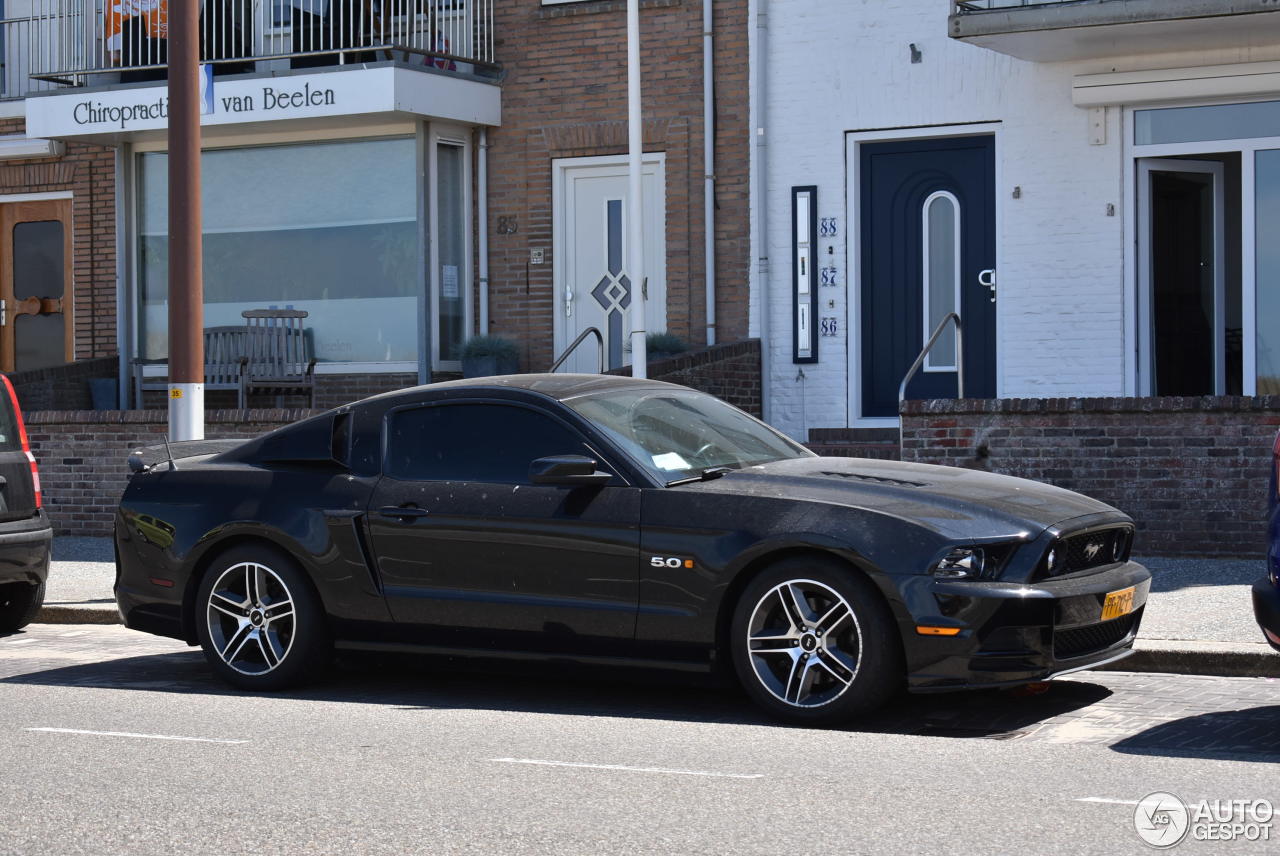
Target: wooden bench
(270, 352)
(278, 355)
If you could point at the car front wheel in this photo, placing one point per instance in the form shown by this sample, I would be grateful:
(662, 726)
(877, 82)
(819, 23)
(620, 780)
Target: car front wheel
(259, 621)
(814, 642)
(19, 603)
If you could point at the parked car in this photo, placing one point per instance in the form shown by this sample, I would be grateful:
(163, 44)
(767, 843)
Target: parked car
(618, 521)
(25, 533)
(1266, 591)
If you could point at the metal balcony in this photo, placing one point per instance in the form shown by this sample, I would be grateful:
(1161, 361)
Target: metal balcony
(1060, 30)
(58, 43)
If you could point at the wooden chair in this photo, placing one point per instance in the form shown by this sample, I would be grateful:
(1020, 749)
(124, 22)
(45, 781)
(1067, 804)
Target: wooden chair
(277, 356)
(223, 348)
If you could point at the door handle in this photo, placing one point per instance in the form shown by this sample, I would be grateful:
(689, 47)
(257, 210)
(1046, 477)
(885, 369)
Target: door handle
(403, 513)
(987, 279)
(568, 301)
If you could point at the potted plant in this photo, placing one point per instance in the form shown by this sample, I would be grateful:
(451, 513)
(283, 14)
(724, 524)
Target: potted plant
(662, 346)
(483, 356)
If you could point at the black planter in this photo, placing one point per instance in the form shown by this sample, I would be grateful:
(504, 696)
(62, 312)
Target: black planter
(489, 365)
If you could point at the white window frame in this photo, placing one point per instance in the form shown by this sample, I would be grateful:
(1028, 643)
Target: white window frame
(449, 135)
(1133, 153)
(930, 363)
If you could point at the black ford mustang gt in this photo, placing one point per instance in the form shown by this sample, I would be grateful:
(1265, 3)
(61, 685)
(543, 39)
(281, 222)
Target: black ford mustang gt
(606, 519)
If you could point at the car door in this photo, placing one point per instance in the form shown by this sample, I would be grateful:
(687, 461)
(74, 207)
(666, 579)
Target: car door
(473, 554)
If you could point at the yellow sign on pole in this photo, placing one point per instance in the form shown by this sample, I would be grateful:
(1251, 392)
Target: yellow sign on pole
(175, 393)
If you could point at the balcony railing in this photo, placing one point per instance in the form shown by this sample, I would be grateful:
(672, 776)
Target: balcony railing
(75, 42)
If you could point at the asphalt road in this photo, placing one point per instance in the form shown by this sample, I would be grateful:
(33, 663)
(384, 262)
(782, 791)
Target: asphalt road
(116, 742)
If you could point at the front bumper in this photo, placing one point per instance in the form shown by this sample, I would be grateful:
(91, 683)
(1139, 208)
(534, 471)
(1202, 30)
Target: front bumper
(1015, 633)
(1266, 608)
(24, 550)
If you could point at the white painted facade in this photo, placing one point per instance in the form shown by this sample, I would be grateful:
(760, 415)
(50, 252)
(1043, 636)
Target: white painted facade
(838, 74)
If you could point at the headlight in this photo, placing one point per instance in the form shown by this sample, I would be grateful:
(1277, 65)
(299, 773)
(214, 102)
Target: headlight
(961, 563)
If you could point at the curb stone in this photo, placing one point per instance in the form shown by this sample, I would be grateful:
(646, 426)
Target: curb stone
(61, 614)
(1223, 659)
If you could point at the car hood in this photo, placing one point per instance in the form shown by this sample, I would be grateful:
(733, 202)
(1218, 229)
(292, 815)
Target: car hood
(957, 503)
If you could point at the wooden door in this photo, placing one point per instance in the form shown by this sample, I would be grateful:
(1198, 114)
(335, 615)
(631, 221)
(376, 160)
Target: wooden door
(36, 328)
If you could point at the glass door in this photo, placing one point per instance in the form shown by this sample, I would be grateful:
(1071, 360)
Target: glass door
(1182, 277)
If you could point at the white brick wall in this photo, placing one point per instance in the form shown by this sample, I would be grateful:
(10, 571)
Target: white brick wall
(840, 67)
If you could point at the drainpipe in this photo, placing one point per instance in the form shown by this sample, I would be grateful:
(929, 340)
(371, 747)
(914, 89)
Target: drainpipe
(482, 236)
(709, 164)
(759, 208)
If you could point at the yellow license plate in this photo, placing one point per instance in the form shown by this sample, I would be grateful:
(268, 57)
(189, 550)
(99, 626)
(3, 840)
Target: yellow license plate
(1118, 603)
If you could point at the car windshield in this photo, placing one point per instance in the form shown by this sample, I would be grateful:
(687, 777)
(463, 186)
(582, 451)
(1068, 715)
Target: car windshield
(681, 434)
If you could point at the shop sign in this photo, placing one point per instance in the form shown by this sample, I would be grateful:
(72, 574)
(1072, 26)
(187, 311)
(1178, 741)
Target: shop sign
(124, 111)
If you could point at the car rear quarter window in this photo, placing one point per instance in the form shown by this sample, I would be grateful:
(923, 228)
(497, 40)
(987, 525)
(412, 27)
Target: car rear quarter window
(493, 443)
(10, 438)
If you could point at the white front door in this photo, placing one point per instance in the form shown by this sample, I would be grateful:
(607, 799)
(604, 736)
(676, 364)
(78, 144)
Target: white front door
(593, 287)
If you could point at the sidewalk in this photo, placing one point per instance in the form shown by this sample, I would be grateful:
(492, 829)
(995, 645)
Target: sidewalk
(1198, 619)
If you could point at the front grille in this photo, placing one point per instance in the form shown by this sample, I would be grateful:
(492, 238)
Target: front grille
(1079, 641)
(1085, 551)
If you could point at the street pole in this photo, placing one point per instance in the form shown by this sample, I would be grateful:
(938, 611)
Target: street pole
(635, 148)
(186, 287)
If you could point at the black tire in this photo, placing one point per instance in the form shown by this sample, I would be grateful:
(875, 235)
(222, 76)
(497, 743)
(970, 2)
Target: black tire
(266, 637)
(19, 605)
(806, 673)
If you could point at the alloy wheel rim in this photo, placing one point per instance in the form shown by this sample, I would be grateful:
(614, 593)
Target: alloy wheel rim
(251, 618)
(804, 643)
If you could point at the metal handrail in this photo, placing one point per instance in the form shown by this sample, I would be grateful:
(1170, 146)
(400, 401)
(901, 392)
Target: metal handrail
(578, 341)
(915, 367)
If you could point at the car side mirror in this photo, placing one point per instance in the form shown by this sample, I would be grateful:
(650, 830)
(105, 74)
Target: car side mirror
(574, 470)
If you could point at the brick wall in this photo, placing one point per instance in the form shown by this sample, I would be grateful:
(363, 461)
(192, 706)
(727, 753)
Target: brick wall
(730, 372)
(82, 455)
(89, 172)
(1191, 471)
(565, 96)
(64, 387)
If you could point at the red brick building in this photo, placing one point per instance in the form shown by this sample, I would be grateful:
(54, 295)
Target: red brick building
(344, 178)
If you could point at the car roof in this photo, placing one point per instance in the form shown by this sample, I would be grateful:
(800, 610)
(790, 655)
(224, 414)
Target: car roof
(557, 386)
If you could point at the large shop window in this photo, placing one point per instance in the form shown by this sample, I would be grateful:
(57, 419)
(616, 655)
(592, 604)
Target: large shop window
(329, 228)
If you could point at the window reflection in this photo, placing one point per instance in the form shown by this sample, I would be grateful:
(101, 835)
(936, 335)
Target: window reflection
(329, 228)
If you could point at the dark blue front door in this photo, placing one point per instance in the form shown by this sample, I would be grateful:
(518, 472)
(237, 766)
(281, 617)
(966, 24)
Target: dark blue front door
(928, 233)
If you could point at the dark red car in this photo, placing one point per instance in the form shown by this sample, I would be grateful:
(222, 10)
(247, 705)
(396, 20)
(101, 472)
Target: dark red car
(25, 534)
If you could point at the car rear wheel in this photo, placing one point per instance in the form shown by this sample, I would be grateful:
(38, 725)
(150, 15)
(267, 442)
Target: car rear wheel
(259, 621)
(19, 603)
(813, 642)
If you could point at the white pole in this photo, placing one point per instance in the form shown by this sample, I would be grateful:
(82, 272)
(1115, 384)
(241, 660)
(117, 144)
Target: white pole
(635, 145)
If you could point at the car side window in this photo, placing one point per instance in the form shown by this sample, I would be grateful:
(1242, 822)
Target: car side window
(474, 442)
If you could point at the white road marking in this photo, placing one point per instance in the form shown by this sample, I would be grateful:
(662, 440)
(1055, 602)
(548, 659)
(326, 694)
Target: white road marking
(18, 641)
(72, 633)
(131, 734)
(1107, 801)
(710, 773)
